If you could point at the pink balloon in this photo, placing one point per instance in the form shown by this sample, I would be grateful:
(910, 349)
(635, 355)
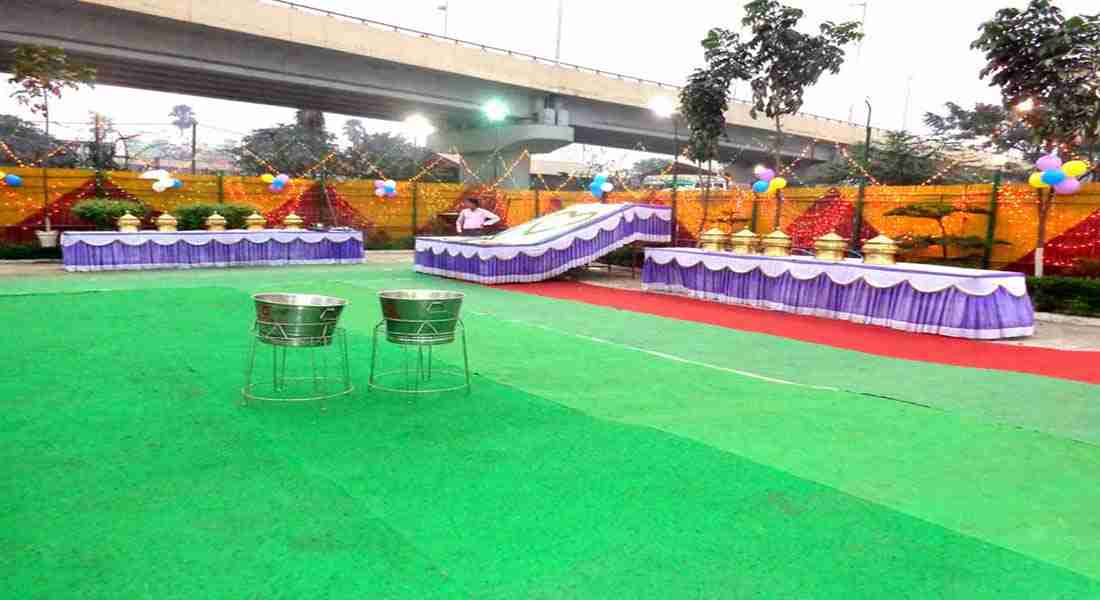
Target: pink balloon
(379, 192)
(379, 183)
(1067, 186)
(766, 175)
(1048, 162)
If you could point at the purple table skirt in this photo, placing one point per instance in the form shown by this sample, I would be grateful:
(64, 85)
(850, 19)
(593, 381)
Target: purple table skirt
(525, 269)
(948, 312)
(181, 255)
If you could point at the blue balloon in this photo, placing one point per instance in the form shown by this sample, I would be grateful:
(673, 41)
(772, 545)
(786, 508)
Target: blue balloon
(599, 180)
(1053, 176)
(13, 180)
(176, 183)
(760, 187)
(276, 186)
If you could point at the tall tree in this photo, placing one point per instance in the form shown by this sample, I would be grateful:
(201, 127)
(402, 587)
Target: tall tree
(779, 62)
(372, 155)
(290, 148)
(1039, 56)
(183, 117)
(40, 73)
(901, 158)
(25, 140)
(984, 127)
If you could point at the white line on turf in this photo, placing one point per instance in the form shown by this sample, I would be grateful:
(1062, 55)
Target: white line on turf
(666, 356)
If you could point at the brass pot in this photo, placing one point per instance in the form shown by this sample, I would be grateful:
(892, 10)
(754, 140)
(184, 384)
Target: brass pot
(777, 243)
(215, 222)
(292, 221)
(128, 223)
(166, 222)
(880, 250)
(830, 247)
(255, 222)
(714, 239)
(744, 242)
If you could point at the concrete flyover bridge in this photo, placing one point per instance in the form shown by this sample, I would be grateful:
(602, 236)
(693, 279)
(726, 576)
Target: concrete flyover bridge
(283, 53)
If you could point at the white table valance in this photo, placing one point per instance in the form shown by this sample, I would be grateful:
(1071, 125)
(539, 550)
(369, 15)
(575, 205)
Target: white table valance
(923, 278)
(556, 231)
(202, 238)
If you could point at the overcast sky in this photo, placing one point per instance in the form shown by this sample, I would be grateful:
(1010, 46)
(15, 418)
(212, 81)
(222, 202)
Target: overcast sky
(923, 42)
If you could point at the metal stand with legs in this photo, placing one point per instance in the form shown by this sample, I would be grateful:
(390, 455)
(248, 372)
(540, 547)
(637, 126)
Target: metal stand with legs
(421, 377)
(314, 385)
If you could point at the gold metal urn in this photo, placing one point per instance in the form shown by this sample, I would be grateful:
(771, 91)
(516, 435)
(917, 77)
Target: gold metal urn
(879, 250)
(128, 223)
(830, 247)
(777, 243)
(744, 242)
(215, 222)
(255, 222)
(292, 221)
(166, 222)
(714, 239)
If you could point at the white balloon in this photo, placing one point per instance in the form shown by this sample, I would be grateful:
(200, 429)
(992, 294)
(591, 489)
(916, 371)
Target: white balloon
(391, 183)
(607, 187)
(160, 185)
(156, 174)
(379, 192)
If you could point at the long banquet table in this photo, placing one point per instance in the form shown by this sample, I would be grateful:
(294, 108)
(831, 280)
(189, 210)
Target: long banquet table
(113, 250)
(950, 301)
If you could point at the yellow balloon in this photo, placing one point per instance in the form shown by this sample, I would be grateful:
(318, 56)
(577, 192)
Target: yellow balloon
(3, 174)
(267, 177)
(1036, 181)
(773, 185)
(1075, 168)
(779, 183)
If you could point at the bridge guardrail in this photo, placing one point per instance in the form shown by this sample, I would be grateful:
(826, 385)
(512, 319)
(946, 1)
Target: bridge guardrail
(512, 53)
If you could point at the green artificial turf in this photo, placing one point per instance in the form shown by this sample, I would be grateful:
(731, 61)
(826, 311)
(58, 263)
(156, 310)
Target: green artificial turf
(577, 468)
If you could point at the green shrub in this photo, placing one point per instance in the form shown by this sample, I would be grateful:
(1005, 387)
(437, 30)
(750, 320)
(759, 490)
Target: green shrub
(193, 216)
(104, 212)
(28, 252)
(383, 242)
(1066, 295)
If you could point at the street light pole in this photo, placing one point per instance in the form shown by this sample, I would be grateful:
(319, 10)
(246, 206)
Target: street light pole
(557, 46)
(857, 214)
(859, 51)
(445, 8)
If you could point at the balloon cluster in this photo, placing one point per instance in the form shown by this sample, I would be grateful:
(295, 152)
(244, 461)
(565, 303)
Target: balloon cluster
(385, 188)
(277, 182)
(767, 181)
(600, 185)
(163, 180)
(1061, 177)
(10, 179)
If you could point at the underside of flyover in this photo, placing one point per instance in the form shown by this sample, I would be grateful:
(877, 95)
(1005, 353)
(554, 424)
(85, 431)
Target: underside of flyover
(153, 53)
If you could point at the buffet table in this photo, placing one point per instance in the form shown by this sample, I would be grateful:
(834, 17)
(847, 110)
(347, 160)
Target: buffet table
(948, 301)
(113, 250)
(544, 247)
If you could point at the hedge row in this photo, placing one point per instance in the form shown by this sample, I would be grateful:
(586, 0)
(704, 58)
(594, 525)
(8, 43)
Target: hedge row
(1065, 295)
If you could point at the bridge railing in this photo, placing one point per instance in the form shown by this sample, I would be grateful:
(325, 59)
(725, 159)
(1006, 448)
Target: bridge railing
(504, 51)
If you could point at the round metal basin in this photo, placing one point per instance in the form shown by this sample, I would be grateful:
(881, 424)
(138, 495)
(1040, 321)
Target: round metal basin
(297, 319)
(420, 317)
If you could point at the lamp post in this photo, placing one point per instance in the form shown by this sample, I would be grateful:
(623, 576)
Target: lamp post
(857, 214)
(496, 112)
(445, 8)
(666, 109)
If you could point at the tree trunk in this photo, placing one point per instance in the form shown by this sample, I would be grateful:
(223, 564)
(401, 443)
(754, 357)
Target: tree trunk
(1046, 199)
(776, 151)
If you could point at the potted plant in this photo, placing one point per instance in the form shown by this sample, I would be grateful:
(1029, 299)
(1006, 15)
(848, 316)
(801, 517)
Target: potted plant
(39, 72)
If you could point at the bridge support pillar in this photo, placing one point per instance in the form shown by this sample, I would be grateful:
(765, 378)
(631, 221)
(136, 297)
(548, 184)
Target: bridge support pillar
(500, 152)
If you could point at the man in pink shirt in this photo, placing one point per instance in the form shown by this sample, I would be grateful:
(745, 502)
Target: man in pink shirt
(473, 218)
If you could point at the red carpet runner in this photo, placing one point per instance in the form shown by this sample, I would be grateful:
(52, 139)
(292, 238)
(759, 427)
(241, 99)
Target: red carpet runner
(1064, 364)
